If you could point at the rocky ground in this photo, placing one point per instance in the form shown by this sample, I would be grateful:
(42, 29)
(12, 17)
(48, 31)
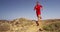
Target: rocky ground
(26, 25)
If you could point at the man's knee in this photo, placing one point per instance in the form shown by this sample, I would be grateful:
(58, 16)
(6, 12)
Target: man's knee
(39, 16)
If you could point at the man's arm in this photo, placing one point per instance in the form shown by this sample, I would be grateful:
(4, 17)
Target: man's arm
(41, 7)
(34, 8)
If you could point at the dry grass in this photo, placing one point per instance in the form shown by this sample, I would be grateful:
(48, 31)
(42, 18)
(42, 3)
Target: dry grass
(25, 25)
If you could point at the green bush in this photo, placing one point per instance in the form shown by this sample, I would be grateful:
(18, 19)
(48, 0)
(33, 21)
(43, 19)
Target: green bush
(52, 27)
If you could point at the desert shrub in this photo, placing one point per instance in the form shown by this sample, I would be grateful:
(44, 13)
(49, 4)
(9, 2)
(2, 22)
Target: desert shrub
(52, 27)
(47, 28)
(4, 27)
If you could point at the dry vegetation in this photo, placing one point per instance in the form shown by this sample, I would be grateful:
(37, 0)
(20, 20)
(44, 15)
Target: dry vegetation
(25, 25)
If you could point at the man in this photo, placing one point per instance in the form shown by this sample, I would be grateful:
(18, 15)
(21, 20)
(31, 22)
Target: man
(38, 11)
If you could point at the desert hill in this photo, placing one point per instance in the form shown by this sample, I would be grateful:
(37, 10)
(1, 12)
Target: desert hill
(26, 25)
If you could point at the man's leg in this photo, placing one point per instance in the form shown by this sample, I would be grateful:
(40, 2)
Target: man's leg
(37, 22)
(40, 22)
(39, 16)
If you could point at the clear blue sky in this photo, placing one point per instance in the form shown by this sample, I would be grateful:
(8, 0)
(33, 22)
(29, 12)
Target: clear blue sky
(12, 9)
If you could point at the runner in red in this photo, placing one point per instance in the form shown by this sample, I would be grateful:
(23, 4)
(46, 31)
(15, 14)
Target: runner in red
(38, 11)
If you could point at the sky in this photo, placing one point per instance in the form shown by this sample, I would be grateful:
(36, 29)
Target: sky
(12, 9)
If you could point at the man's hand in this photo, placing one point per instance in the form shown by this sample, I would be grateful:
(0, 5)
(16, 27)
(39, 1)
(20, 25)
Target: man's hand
(42, 9)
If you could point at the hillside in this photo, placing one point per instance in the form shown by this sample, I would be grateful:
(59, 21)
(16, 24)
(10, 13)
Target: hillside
(26, 25)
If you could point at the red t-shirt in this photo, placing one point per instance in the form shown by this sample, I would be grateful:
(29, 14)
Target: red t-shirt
(38, 9)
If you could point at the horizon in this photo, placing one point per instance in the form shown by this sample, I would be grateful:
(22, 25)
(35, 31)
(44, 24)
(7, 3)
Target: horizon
(29, 19)
(12, 9)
